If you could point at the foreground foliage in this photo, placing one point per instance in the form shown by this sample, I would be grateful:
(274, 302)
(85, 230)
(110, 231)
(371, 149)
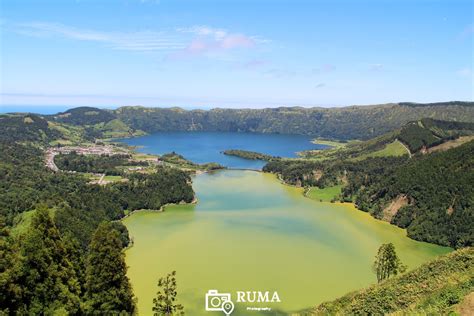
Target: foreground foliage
(107, 286)
(435, 288)
(387, 263)
(165, 300)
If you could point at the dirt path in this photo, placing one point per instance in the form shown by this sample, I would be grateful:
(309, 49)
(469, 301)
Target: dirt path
(101, 180)
(49, 160)
(408, 150)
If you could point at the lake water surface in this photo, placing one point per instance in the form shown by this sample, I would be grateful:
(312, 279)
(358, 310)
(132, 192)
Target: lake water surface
(202, 147)
(248, 232)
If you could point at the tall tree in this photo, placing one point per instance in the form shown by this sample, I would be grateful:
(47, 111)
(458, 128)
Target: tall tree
(387, 262)
(9, 289)
(48, 279)
(165, 301)
(107, 285)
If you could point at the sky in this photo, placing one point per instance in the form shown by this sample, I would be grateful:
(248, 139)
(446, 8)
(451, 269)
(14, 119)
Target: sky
(235, 54)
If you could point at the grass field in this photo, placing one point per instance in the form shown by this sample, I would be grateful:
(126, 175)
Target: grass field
(395, 148)
(332, 143)
(112, 178)
(324, 195)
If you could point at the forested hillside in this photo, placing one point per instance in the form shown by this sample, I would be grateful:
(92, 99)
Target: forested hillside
(354, 122)
(84, 116)
(412, 138)
(430, 195)
(28, 127)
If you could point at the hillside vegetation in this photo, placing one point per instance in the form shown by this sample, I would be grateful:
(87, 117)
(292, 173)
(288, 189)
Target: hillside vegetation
(438, 287)
(413, 137)
(430, 195)
(28, 127)
(354, 122)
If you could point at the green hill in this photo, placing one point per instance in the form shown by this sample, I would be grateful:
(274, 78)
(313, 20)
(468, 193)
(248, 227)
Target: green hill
(439, 287)
(428, 133)
(353, 122)
(83, 116)
(411, 138)
(26, 127)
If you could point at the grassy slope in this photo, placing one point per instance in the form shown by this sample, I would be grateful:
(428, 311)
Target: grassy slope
(332, 143)
(324, 195)
(395, 148)
(437, 287)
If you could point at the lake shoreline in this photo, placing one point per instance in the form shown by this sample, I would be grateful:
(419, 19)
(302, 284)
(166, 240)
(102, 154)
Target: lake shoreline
(259, 219)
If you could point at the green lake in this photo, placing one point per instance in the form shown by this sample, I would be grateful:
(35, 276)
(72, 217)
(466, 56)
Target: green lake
(249, 232)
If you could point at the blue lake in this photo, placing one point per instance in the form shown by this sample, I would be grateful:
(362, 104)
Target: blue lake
(202, 147)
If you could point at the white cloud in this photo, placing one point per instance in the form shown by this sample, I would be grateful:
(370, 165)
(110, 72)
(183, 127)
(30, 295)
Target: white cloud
(203, 30)
(133, 41)
(204, 39)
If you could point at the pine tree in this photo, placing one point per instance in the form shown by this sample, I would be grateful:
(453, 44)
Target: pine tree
(165, 301)
(387, 262)
(108, 287)
(49, 283)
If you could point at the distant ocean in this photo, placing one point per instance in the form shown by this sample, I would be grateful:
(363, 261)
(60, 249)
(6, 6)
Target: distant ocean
(37, 109)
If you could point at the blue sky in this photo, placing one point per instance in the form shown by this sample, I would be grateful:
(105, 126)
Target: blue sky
(256, 53)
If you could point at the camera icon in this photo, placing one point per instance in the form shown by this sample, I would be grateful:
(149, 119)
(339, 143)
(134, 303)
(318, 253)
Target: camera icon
(216, 302)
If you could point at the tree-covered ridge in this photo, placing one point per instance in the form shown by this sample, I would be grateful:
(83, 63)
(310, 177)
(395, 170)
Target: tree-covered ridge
(439, 287)
(415, 136)
(29, 127)
(83, 116)
(427, 133)
(355, 122)
(457, 103)
(430, 195)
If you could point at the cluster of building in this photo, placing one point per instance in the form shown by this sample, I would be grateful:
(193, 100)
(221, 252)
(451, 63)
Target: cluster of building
(80, 150)
(88, 150)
